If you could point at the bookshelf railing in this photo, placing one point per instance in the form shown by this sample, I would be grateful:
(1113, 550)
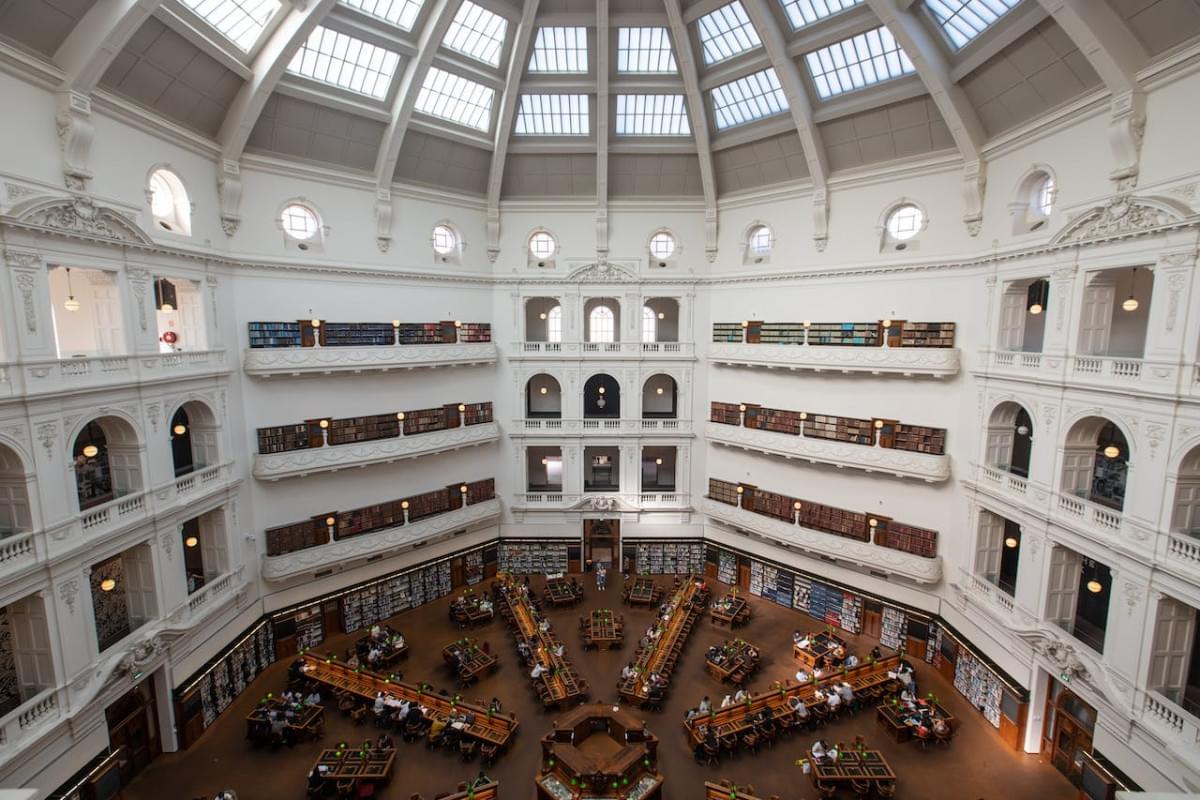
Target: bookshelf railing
(333, 432)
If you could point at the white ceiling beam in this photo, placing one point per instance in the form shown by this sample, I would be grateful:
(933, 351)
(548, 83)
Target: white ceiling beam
(1116, 55)
(602, 120)
(698, 9)
(801, 108)
(952, 102)
(314, 92)
(192, 27)
(855, 20)
(353, 22)
(731, 69)
(504, 123)
(885, 94)
(753, 132)
(686, 62)
(468, 67)
(501, 8)
(1001, 36)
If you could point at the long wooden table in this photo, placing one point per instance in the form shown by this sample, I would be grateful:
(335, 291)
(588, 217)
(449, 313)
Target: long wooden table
(861, 765)
(487, 791)
(820, 645)
(468, 660)
(735, 661)
(355, 764)
(737, 718)
(560, 684)
(730, 610)
(307, 722)
(603, 631)
(892, 720)
(717, 791)
(489, 728)
(559, 593)
(641, 592)
(471, 610)
(391, 644)
(660, 656)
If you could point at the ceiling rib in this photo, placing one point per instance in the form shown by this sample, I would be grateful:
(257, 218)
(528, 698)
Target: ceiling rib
(1116, 55)
(686, 61)
(960, 116)
(802, 114)
(504, 123)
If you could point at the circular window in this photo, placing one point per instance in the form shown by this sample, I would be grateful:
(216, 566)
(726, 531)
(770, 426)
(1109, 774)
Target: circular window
(662, 244)
(1042, 201)
(760, 240)
(905, 222)
(299, 222)
(445, 240)
(541, 245)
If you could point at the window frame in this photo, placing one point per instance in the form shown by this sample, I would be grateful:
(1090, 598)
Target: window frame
(608, 327)
(178, 221)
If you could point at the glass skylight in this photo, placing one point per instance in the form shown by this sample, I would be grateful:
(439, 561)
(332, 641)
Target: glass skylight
(552, 115)
(963, 20)
(726, 32)
(856, 62)
(644, 50)
(449, 97)
(478, 33)
(806, 12)
(402, 13)
(652, 115)
(343, 61)
(559, 50)
(747, 99)
(239, 21)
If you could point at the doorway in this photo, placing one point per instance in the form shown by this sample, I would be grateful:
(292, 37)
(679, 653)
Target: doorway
(1067, 731)
(601, 541)
(133, 729)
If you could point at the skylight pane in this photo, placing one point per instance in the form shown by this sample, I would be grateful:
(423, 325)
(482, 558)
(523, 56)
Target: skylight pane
(726, 32)
(652, 115)
(859, 61)
(447, 96)
(240, 21)
(644, 50)
(478, 33)
(806, 12)
(343, 61)
(963, 20)
(559, 50)
(402, 13)
(748, 99)
(552, 115)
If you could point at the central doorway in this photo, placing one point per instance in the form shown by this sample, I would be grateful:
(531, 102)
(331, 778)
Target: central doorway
(1067, 730)
(601, 541)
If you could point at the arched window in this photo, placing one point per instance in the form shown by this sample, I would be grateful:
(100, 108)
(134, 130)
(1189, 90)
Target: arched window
(905, 222)
(445, 240)
(760, 240)
(299, 222)
(169, 203)
(601, 324)
(649, 324)
(554, 324)
(1042, 201)
(541, 244)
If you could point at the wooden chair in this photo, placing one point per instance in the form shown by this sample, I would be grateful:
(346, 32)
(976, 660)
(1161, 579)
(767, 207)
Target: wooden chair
(359, 714)
(345, 788)
(750, 742)
(944, 739)
(885, 788)
(712, 755)
(827, 790)
(488, 753)
(467, 749)
(860, 787)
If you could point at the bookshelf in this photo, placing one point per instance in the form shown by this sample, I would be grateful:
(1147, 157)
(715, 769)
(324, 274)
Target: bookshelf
(777, 420)
(850, 524)
(282, 438)
(727, 332)
(727, 567)
(783, 333)
(844, 334)
(363, 429)
(927, 334)
(771, 504)
(669, 558)
(473, 567)
(477, 413)
(425, 420)
(475, 332)
(801, 591)
(199, 703)
(296, 536)
(423, 333)
(722, 491)
(274, 334)
(725, 413)
(350, 430)
(893, 630)
(892, 434)
(771, 582)
(907, 538)
(429, 504)
(533, 558)
(833, 606)
(976, 682)
(481, 491)
(919, 439)
(839, 429)
(357, 334)
(310, 628)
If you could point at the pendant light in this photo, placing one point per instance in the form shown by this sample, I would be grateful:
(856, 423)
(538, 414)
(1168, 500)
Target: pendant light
(179, 430)
(1094, 586)
(107, 585)
(90, 451)
(1112, 451)
(1039, 297)
(1011, 542)
(191, 541)
(1131, 303)
(70, 304)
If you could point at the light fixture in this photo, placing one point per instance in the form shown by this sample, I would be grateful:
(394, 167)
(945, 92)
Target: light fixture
(462, 407)
(400, 416)
(1036, 308)
(179, 430)
(874, 523)
(661, 315)
(542, 315)
(796, 505)
(107, 585)
(740, 490)
(544, 390)
(658, 461)
(887, 323)
(395, 323)
(463, 489)
(878, 424)
(659, 390)
(1131, 304)
(741, 406)
(803, 415)
(745, 324)
(1023, 430)
(404, 505)
(324, 424)
(545, 461)
(191, 541)
(90, 450)
(166, 307)
(1094, 586)
(808, 323)
(1112, 451)
(600, 390)
(330, 521)
(70, 304)
(458, 323)
(1011, 542)
(316, 323)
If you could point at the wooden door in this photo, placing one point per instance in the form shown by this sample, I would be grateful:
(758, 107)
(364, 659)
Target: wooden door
(1068, 744)
(893, 333)
(1095, 320)
(1012, 320)
(1186, 514)
(1062, 590)
(1078, 465)
(458, 572)
(872, 623)
(1172, 650)
(106, 318)
(743, 573)
(191, 317)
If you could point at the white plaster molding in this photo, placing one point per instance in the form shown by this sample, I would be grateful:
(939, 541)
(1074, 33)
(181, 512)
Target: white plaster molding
(79, 214)
(935, 362)
(267, 362)
(73, 375)
(1121, 217)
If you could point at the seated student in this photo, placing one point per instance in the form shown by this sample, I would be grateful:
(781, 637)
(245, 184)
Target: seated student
(797, 705)
(352, 662)
(846, 691)
(726, 701)
(802, 676)
(940, 727)
(907, 698)
(384, 742)
(741, 696)
(523, 651)
(833, 700)
(494, 706)
(705, 706)
(560, 649)
(380, 703)
(820, 752)
(799, 639)
(875, 653)
(544, 625)
(851, 661)
(538, 671)
(414, 715)
(627, 672)
(313, 699)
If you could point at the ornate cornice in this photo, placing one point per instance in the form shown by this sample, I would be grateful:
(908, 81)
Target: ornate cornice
(932, 361)
(265, 363)
(78, 215)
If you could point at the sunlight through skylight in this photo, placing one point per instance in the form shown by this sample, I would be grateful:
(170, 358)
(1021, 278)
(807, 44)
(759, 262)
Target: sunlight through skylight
(806, 12)
(559, 50)
(332, 57)
(859, 61)
(239, 21)
(652, 115)
(963, 20)
(402, 13)
(644, 50)
(552, 115)
(449, 97)
(748, 99)
(478, 33)
(726, 32)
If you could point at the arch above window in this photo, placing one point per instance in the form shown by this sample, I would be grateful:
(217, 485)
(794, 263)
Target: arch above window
(169, 204)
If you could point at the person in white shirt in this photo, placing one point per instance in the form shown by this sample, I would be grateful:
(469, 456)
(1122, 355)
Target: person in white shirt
(833, 700)
(726, 701)
(560, 649)
(740, 696)
(313, 699)
(626, 672)
(544, 625)
(705, 706)
(797, 705)
(802, 676)
(380, 703)
(847, 692)
(832, 755)
(819, 752)
(537, 671)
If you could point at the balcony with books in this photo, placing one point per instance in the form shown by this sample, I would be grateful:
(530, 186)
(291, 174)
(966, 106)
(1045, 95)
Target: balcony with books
(88, 373)
(327, 444)
(319, 347)
(871, 445)
(885, 347)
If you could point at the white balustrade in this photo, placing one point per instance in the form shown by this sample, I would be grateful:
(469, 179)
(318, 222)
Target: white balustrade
(1003, 358)
(1031, 360)
(1162, 712)
(17, 551)
(1126, 369)
(1184, 548)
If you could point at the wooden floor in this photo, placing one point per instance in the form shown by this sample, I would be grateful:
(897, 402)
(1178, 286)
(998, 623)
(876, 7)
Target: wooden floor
(978, 765)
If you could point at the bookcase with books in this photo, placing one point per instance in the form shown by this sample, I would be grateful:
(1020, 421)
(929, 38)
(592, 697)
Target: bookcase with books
(370, 518)
(725, 413)
(893, 630)
(833, 606)
(477, 413)
(425, 333)
(475, 332)
(473, 567)
(771, 582)
(428, 504)
(727, 571)
(480, 491)
(357, 334)
(850, 524)
(844, 334)
(296, 536)
(283, 438)
(783, 333)
(839, 429)
(425, 420)
(533, 558)
(919, 439)
(363, 429)
(274, 334)
(722, 491)
(927, 334)
(907, 538)
(976, 682)
(771, 504)
(727, 332)
(669, 558)
(801, 592)
(776, 420)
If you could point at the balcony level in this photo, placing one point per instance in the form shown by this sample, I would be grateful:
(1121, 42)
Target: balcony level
(72, 375)
(285, 362)
(1134, 376)
(934, 362)
(601, 350)
(555, 427)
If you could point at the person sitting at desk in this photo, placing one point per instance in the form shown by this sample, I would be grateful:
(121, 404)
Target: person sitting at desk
(875, 653)
(851, 661)
(907, 698)
(296, 670)
(523, 651)
(414, 715)
(352, 662)
(374, 655)
(380, 704)
(797, 705)
(538, 671)
(820, 751)
(740, 696)
(846, 691)
(313, 699)
(839, 654)
(376, 631)
(485, 605)
(799, 639)
(833, 700)
(494, 706)
(802, 676)
(940, 728)
(384, 742)
(726, 701)
(544, 626)
(559, 650)
(627, 672)
(705, 706)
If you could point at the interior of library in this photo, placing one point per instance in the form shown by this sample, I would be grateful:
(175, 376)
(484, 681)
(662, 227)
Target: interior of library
(612, 400)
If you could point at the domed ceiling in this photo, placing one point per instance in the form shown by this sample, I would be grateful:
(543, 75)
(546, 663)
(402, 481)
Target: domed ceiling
(612, 98)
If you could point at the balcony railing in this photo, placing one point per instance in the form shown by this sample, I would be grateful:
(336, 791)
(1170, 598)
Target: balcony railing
(1183, 550)
(268, 362)
(26, 718)
(623, 500)
(935, 362)
(1002, 479)
(872, 458)
(1100, 371)
(1089, 512)
(982, 588)
(602, 349)
(628, 427)
(57, 376)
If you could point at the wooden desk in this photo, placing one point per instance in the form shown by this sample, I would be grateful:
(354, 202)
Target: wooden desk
(627, 756)
(488, 791)
(641, 592)
(718, 791)
(392, 647)
(865, 765)
(820, 645)
(308, 722)
(603, 631)
(559, 593)
(660, 656)
(730, 610)
(738, 718)
(736, 661)
(468, 660)
(356, 764)
(473, 609)
(559, 683)
(489, 728)
(892, 720)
